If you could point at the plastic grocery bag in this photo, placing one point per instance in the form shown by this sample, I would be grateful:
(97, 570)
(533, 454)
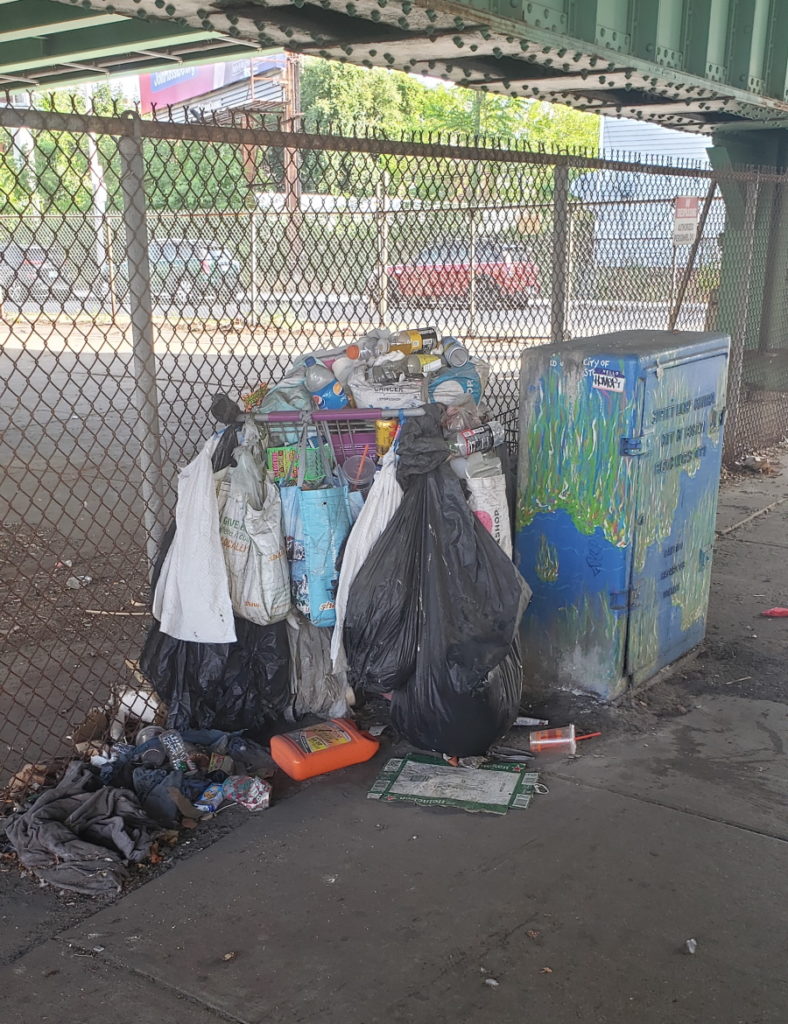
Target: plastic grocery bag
(316, 523)
(433, 614)
(381, 504)
(318, 689)
(250, 526)
(192, 596)
(490, 504)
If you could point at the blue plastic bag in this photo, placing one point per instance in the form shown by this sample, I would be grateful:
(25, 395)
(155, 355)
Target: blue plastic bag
(316, 522)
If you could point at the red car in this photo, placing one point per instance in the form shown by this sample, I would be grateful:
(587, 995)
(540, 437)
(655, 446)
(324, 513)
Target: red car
(505, 275)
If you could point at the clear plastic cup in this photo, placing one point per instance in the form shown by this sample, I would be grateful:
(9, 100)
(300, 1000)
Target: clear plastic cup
(359, 471)
(560, 740)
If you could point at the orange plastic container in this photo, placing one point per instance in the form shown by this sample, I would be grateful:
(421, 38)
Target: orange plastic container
(321, 748)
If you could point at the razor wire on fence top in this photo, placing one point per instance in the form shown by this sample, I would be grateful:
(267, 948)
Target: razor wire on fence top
(146, 265)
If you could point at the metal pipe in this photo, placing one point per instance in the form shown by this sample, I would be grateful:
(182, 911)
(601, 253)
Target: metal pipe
(560, 255)
(145, 394)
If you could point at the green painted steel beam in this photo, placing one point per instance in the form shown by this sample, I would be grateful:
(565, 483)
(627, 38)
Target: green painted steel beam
(26, 18)
(92, 43)
(693, 63)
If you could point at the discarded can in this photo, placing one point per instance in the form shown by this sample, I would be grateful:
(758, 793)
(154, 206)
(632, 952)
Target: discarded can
(211, 799)
(420, 363)
(454, 352)
(385, 432)
(172, 742)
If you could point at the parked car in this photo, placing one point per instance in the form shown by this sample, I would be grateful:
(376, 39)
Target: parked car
(26, 272)
(186, 271)
(505, 274)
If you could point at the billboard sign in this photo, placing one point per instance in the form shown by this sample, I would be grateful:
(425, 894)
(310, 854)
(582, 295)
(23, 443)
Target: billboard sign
(173, 86)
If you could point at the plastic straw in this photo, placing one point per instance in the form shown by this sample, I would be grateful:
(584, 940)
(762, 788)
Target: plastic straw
(588, 736)
(361, 464)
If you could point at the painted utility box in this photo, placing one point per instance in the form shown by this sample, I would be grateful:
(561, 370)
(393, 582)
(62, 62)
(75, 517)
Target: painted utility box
(620, 453)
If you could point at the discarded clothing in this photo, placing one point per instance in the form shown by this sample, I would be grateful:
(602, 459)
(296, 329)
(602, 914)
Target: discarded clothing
(80, 834)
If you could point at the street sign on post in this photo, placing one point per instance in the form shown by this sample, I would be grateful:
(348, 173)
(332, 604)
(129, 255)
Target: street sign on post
(685, 219)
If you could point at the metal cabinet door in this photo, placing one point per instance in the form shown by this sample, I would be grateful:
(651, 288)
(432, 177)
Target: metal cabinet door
(677, 482)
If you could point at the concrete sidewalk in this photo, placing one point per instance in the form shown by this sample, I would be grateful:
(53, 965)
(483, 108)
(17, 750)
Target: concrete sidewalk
(341, 910)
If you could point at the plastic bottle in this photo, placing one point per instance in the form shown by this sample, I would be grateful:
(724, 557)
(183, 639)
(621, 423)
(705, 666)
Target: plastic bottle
(175, 748)
(423, 339)
(376, 343)
(316, 376)
(332, 396)
(454, 352)
(321, 748)
(476, 439)
(342, 367)
(420, 363)
(388, 370)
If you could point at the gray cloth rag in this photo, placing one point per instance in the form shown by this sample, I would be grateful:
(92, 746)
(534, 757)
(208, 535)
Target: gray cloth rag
(79, 834)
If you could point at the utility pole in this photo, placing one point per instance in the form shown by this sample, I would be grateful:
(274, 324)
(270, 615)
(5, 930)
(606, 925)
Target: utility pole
(291, 122)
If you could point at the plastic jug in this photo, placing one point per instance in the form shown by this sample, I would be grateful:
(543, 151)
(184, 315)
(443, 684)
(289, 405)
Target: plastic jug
(321, 748)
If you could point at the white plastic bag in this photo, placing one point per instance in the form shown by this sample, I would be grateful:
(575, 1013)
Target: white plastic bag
(489, 504)
(381, 504)
(405, 394)
(250, 527)
(192, 597)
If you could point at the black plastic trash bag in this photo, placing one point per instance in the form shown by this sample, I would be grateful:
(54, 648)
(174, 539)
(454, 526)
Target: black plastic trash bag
(433, 614)
(243, 685)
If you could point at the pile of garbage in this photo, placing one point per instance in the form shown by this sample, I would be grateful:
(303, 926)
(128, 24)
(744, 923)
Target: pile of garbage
(345, 537)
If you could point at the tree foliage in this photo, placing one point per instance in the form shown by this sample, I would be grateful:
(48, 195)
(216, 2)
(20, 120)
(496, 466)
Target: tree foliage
(53, 177)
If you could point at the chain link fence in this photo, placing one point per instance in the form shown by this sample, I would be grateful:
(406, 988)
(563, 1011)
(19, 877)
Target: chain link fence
(145, 265)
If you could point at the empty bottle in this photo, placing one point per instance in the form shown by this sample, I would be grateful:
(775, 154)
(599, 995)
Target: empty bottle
(175, 748)
(376, 343)
(316, 376)
(454, 352)
(476, 439)
(342, 367)
(388, 371)
(423, 339)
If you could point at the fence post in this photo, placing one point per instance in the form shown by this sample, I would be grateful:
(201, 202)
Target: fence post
(560, 261)
(740, 324)
(253, 265)
(145, 393)
(472, 262)
(383, 246)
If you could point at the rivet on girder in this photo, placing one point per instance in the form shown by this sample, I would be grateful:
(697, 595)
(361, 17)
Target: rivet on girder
(497, 51)
(157, 3)
(374, 16)
(407, 8)
(473, 47)
(459, 22)
(458, 41)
